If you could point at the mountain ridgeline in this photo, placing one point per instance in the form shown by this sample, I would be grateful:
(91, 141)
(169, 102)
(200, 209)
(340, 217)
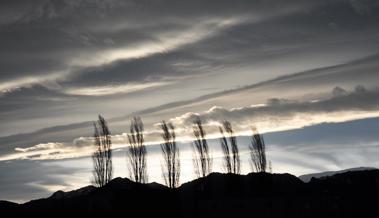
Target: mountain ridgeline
(348, 194)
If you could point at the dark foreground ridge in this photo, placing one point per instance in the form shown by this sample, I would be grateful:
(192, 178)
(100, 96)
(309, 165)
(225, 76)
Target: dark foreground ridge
(350, 194)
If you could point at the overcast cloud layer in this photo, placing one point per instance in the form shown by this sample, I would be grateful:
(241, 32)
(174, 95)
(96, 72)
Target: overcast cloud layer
(278, 66)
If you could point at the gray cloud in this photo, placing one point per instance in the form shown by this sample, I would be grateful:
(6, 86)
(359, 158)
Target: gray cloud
(275, 115)
(51, 39)
(61, 35)
(283, 113)
(362, 71)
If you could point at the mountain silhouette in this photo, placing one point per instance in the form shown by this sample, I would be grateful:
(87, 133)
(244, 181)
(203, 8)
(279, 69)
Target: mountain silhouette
(348, 194)
(308, 177)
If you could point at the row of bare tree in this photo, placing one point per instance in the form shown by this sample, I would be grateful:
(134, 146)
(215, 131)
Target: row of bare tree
(202, 159)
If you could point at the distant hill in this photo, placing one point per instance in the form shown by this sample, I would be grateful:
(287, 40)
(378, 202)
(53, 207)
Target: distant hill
(349, 194)
(308, 177)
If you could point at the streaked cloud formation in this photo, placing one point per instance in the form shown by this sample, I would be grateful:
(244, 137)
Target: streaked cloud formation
(275, 115)
(284, 67)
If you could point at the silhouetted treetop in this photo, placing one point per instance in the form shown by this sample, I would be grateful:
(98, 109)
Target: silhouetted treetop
(171, 156)
(258, 152)
(201, 157)
(232, 162)
(102, 157)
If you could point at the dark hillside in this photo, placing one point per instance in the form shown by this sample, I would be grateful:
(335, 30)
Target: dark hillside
(350, 194)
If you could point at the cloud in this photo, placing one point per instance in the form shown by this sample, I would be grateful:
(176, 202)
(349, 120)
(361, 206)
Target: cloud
(40, 147)
(113, 89)
(24, 180)
(78, 147)
(69, 39)
(45, 151)
(18, 105)
(27, 82)
(163, 43)
(76, 65)
(364, 7)
(104, 32)
(89, 47)
(281, 114)
(275, 115)
(330, 147)
(81, 58)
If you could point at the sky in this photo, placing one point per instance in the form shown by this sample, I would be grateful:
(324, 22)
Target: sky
(304, 72)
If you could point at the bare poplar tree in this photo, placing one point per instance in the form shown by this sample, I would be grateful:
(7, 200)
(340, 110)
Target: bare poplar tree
(258, 152)
(232, 162)
(170, 151)
(137, 152)
(201, 158)
(225, 150)
(102, 157)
